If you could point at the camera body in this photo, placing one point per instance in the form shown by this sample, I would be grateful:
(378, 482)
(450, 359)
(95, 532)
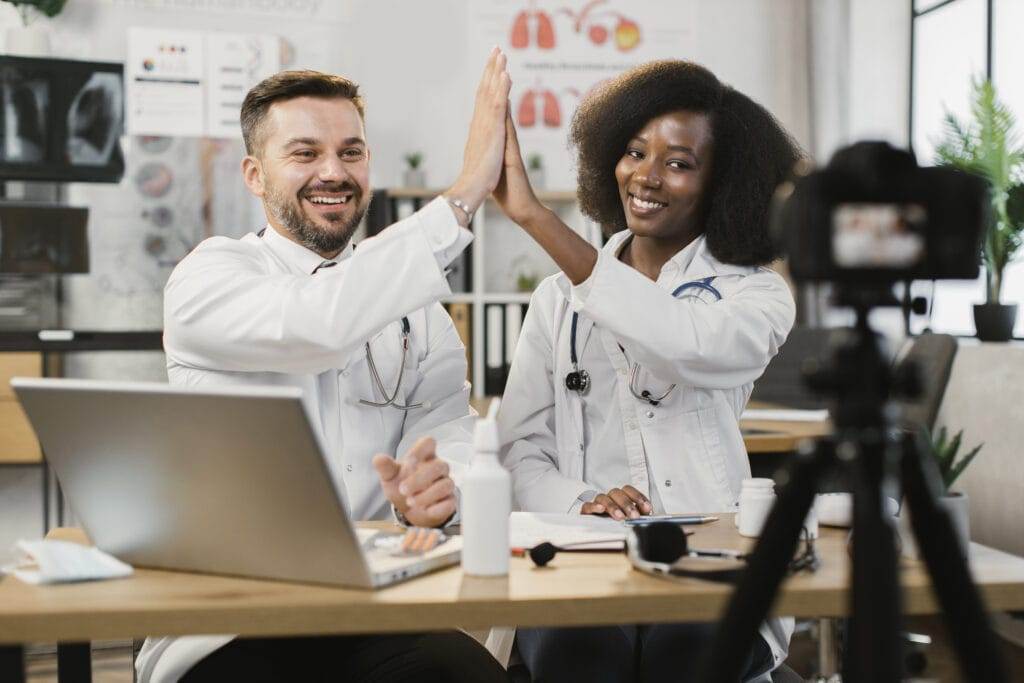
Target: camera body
(873, 217)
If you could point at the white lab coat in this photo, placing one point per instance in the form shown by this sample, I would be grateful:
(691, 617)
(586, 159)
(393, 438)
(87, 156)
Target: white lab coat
(251, 311)
(712, 350)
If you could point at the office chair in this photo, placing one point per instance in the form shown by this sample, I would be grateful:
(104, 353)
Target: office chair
(933, 354)
(782, 382)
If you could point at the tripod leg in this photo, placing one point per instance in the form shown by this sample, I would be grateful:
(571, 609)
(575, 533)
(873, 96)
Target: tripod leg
(766, 568)
(969, 628)
(874, 649)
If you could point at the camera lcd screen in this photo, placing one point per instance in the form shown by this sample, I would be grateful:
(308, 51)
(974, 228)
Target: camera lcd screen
(878, 236)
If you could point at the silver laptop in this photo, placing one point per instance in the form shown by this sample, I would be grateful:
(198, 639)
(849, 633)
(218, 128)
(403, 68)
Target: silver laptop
(226, 480)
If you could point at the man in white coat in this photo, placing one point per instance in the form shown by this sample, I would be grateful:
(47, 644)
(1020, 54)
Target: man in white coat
(359, 330)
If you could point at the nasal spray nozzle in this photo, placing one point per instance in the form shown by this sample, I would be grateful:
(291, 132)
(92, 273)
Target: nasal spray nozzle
(485, 433)
(486, 502)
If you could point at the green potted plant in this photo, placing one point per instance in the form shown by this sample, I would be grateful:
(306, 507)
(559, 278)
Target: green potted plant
(945, 452)
(535, 170)
(414, 175)
(989, 146)
(31, 38)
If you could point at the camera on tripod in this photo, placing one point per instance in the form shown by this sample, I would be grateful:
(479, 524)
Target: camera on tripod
(869, 219)
(873, 217)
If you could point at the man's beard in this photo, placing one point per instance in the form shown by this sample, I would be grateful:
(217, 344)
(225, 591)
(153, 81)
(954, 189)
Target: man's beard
(290, 214)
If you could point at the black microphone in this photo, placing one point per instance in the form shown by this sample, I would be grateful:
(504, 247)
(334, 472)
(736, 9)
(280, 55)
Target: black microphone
(544, 552)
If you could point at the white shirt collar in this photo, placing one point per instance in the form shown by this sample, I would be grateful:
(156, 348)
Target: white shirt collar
(298, 256)
(695, 259)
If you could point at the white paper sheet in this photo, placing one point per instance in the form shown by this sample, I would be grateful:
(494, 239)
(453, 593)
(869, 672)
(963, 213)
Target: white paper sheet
(53, 561)
(527, 529)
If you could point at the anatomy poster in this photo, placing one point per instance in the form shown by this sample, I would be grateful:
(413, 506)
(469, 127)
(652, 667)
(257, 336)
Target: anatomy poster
(191, 83)
(559, 49)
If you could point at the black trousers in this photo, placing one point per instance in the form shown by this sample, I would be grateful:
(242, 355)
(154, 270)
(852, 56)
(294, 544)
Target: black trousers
(420, 658)
(623, 654)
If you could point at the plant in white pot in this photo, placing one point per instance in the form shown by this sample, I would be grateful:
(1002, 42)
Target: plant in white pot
(31, 39)
(989, 146)
(951, 464)
(535, 170)
(414, 175)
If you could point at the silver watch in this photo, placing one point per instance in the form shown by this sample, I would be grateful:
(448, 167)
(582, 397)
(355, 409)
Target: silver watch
(461, 206)
(400, 517)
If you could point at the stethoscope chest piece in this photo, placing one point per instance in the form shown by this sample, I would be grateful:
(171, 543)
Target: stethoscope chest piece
(578, 380)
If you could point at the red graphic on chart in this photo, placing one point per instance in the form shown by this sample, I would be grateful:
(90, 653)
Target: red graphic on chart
(536, 27)
(547, 101)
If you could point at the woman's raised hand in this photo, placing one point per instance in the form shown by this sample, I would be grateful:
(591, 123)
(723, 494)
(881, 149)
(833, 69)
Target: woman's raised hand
(485, 146)
(513, 193)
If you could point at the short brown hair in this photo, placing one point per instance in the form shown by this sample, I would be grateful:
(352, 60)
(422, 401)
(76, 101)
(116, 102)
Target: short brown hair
(287, 85)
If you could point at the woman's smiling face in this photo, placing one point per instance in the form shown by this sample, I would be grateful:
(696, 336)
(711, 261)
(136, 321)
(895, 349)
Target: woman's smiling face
(663, 173)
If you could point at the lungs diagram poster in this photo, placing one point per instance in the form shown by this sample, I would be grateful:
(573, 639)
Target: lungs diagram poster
(559, 49)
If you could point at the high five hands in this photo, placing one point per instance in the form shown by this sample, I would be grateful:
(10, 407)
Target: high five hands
(484, 154)
(514, 194)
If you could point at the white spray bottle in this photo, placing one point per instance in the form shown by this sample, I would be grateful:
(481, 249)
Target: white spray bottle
(486, 503)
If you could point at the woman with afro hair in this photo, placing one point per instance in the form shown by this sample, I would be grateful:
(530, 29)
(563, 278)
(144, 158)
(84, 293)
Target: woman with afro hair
(635, 361)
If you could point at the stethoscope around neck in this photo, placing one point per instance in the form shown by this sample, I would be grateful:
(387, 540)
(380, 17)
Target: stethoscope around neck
(392, 398)
(578, 380)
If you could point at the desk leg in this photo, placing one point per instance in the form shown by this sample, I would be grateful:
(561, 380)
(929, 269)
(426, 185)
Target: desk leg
(45, 470)
(828, 648)
(74, 663)
(12, 663)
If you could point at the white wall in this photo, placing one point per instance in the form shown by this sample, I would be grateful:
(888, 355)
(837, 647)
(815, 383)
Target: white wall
(983, 398)
(859, 73)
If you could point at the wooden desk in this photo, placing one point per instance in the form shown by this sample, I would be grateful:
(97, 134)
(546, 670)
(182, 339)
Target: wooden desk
(759, 436)
(578, 588)
(778, 436)
(771, 436)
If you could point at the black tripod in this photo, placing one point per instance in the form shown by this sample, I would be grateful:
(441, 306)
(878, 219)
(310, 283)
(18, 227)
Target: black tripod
(871, 451)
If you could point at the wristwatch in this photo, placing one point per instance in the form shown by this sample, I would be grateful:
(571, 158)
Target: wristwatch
(461, 206)
(400, 517)
(406, 523)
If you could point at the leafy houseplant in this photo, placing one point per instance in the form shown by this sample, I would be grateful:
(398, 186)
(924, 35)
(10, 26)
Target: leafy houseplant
(945, 452)
(535, 170)
(31, 39)
(50, 8)
(414, 175)
(989, 146)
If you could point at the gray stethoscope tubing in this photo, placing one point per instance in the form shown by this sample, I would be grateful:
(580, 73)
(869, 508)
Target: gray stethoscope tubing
(390, 400)
(579, 380)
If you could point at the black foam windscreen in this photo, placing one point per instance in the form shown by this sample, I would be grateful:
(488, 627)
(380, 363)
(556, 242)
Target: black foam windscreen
(543, 553)
(661, 542)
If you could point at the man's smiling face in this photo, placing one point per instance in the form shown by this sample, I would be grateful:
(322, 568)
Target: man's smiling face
(313, 171)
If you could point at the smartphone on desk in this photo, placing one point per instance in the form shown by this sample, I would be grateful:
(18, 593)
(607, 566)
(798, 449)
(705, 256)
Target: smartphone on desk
(671, 519)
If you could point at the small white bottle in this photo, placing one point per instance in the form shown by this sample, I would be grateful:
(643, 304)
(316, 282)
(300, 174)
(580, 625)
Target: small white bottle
(486, 503)
(757, 496)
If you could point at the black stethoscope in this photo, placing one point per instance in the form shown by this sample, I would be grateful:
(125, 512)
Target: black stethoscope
(392, 399)
(579, 380)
